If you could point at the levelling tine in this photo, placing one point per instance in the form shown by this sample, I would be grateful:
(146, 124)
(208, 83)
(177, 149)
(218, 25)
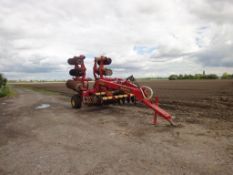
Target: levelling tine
(154, 121)
(172, 123)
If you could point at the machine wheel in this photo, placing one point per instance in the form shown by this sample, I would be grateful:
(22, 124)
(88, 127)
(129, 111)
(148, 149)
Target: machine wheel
(99, 100)
(76, 101)
(106, 61)
(128, 100)
(76, 60)
(133, 99)
(76, 72)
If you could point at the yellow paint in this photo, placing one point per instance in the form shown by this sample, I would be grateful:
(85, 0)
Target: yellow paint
(72, 102)
(100, 93)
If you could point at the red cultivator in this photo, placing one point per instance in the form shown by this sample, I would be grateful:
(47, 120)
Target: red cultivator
(109, 90)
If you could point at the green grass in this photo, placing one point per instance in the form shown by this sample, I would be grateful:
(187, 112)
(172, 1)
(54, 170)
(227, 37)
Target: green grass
(6, 91)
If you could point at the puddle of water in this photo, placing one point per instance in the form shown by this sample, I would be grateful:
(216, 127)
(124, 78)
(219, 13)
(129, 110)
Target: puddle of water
(43, 106)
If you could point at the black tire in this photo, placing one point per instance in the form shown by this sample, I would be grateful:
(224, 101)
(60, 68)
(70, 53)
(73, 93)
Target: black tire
(106, 61)
(76, 72)
(73, 61)
(76, 101)
(99, 100)
(133, 99)
(128, 100)
(76, 60)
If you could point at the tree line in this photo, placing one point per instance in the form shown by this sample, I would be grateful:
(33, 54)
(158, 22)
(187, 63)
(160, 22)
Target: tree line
(200, 76)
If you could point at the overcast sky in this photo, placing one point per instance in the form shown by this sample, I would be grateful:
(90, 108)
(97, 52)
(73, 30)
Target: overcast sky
(143, 37)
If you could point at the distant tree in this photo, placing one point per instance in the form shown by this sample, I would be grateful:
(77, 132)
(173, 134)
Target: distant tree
(225, 75)
(4, 89)
(211, 76)
(180, 77)
(190, 77)
(173, 77)
(3, 81)
(198, 76)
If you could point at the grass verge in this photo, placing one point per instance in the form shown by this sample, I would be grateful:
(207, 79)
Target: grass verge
(6, 91)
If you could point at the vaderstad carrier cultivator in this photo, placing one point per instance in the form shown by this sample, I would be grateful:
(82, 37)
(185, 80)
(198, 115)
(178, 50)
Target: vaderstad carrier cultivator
(109, 90)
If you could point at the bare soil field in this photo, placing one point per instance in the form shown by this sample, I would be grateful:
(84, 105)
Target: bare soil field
(118, 139)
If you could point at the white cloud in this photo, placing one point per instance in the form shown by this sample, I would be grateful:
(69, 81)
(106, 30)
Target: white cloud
(144, 38)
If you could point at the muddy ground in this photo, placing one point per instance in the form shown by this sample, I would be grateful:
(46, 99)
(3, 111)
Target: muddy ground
(118, 139)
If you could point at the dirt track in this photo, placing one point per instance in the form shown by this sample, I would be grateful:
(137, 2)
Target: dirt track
(118, 139)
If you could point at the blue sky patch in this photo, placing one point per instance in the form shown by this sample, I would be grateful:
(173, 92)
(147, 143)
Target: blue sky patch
(144, 49)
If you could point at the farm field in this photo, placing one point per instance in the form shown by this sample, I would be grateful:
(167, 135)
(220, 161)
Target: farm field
(118, 139)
